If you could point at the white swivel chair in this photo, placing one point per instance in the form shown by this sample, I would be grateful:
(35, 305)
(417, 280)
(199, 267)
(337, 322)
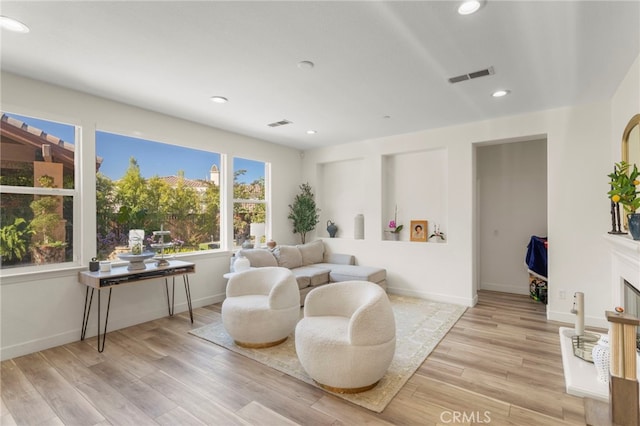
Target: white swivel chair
(347, 338)
(262, 306)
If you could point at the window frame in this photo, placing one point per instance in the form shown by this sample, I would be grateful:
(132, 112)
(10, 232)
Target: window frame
(170, 141)
(266, 201)
(74, 193)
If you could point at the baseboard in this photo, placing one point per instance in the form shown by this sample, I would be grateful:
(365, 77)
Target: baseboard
(504, 288)
(70, 336)
(570, 319)
(434, 296)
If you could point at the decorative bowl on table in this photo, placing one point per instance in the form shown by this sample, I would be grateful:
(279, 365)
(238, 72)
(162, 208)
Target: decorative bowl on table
(136, 261)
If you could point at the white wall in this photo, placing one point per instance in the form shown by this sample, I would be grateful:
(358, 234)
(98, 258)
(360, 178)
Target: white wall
(342, 186)
(344, 199)
(45, 309)
(416, 182)
(512, 192)
(578, 161)
(624, 105)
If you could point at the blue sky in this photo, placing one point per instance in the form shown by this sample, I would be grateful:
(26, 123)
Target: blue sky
(154, 158)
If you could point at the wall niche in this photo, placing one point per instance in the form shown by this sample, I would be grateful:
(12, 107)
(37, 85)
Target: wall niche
(416, 182)
(341, 195)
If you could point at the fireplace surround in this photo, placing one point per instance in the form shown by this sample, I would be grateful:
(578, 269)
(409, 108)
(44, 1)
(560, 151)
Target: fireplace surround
(581, 376)
(631, 299)
(625, 266)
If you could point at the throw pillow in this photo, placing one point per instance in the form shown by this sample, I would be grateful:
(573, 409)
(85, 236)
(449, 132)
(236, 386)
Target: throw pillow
(259, 258)
(288, 256)
(312, 252)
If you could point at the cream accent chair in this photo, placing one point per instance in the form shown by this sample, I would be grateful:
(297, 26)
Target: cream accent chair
(347, 338)
(262, 307)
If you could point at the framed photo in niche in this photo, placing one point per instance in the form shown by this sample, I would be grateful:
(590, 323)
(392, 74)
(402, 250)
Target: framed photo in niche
(419, 230)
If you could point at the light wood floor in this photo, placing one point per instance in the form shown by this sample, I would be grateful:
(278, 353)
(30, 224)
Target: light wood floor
(499, 365)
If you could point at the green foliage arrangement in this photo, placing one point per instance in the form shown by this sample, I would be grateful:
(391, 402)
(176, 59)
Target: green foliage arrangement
(624, 183)
(45, 216)
(14, 239)
(303, 212)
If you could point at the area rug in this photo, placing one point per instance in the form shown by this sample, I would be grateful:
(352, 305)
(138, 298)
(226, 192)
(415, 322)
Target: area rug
(420, 325)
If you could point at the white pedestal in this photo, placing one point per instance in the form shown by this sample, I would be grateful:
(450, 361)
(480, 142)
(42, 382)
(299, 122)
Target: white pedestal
(580, 376)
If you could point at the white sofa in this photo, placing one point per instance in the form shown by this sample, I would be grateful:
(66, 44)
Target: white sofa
(313, 265)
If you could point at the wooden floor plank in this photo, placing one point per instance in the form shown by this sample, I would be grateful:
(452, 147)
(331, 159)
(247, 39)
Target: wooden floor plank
(21, 402)
(64, 398)
(501, 360)
(115, 406)
(256, 413)
(178, 416)
(204, 407)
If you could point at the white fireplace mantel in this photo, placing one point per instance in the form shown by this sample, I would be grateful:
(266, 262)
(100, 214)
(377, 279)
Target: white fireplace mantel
(625, 265)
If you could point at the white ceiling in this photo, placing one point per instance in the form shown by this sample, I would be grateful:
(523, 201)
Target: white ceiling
(372, 59)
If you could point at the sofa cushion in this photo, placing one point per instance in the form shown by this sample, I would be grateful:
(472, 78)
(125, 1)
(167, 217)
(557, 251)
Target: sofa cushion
(356, 273)
(311, 275)
(259, 258)
(312, 252)
(288, 257)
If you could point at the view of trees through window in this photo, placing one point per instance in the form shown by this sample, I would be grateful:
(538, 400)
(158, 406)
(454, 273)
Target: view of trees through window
(152, 186)
(249, 203)
(37, 198)
(164, 187)
(140, 184)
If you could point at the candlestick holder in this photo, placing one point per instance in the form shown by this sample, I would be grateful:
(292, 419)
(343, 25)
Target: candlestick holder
(615, 220)
(160, 244)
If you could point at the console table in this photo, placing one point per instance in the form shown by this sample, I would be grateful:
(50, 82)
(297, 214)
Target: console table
(120, 276)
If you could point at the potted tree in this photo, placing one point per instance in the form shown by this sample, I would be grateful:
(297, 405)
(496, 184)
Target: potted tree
(625, 184)
(47, 227)
(303, 212)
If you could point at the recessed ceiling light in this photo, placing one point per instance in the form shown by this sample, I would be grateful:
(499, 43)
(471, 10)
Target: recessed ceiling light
(469, 7)
(311, 132)
(305, 65)
(13, 25)
(219, 99)
(500, 93)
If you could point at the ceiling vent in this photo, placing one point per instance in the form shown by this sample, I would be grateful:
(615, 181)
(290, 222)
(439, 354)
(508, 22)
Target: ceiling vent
(475, 74)
(279, 123)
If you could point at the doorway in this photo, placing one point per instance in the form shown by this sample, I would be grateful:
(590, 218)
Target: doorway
(511, 207)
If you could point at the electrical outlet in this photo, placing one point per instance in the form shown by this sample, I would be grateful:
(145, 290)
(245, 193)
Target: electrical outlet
(562, 295)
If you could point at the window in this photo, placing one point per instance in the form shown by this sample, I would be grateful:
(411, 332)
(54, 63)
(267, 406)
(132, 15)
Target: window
(38, 199)
(249, 202)
(149, 185)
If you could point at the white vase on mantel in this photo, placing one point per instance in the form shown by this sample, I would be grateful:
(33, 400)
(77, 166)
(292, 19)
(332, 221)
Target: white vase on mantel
(601, 358)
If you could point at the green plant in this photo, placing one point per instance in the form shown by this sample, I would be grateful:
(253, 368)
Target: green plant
(46, 219)
(624, 183)
(303, 212)
(13, 239)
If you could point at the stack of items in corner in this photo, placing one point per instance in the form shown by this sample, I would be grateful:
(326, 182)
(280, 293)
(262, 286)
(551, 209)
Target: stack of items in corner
(536, 260)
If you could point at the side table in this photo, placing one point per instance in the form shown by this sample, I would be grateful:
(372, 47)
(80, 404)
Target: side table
(121, 276)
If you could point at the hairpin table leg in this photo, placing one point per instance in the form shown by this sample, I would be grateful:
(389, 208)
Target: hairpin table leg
(86, 312)
(170, 300)
(106, 321)
(187, 291)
